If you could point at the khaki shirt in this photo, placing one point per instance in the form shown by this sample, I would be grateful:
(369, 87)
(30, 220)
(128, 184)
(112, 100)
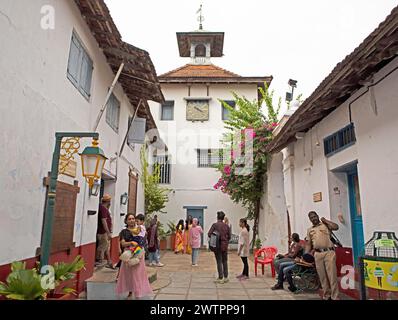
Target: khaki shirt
(319, 237)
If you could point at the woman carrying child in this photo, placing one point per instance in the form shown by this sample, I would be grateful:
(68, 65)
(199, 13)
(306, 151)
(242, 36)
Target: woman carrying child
(132, 278)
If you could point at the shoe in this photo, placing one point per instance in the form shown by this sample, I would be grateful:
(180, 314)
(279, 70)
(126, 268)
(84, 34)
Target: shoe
(277, 287)
(292, 289)
(159, 265)
(195, 265)
(239, 276)
(110, 266)
(243, 278)
(226, 280)
(220, 281)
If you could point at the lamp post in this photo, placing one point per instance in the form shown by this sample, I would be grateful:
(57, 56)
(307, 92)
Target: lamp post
(93, 160)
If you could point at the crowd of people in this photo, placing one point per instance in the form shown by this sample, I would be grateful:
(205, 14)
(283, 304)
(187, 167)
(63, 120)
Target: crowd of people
(318, 250)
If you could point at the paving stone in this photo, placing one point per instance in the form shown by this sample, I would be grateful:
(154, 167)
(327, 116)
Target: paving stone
(170, 297)
(171, 290)
(201, 297)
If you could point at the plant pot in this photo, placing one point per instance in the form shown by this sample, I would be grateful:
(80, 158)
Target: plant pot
(163, 244)
(62, 296)
(173, 241)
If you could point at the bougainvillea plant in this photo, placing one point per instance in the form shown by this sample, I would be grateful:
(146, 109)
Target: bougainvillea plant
(249, 130)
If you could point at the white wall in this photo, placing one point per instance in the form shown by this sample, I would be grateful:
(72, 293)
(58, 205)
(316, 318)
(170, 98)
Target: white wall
(273, 229)
(194, 186)
(375, 150)
(39, 100)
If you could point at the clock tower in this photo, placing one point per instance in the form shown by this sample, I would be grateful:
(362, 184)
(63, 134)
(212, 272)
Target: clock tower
(192, 123)
(200, 45)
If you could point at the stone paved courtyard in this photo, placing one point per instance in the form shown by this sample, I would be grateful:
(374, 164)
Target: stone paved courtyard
(178, 280)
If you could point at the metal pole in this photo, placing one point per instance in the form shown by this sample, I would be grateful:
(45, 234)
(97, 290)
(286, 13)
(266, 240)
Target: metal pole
(107, 96)
(362, 278)
(51, 195)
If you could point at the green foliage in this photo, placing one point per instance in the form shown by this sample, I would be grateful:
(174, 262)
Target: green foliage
(155, 196)
(161, 232)
(23, 284)
(172, 227)
(258, 244)
(27, 284)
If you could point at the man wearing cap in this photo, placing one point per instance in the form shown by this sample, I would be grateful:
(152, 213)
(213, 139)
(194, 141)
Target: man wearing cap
(104, 231)
(318, 237)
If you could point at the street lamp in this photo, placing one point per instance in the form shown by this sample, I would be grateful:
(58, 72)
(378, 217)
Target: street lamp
(293, 84)
(93, 160)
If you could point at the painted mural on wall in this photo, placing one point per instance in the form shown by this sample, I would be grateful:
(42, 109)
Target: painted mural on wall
(381, 275)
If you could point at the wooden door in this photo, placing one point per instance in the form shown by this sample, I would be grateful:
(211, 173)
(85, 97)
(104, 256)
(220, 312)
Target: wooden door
(132, 202)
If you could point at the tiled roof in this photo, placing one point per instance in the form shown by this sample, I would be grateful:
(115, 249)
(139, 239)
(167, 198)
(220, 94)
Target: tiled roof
(199, 71)
(378, 49)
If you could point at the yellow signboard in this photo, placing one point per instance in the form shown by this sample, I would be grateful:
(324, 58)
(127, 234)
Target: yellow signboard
(381, 275)
(67, 168)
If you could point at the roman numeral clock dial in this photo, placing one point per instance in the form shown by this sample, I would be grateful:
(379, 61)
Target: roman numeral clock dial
(198, 110)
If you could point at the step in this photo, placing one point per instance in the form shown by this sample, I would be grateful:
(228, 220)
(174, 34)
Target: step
(102, 285)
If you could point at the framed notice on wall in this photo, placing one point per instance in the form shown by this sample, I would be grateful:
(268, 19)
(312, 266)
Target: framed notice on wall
(317, 197)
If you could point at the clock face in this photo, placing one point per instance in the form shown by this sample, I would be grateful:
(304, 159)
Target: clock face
(198, 110)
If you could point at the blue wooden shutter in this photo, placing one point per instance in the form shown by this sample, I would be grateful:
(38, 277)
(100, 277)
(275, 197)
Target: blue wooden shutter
(86, 74)
(137, 131)
(75, 55)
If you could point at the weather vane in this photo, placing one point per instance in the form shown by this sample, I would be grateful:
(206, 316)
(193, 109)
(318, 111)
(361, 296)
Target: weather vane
(201, 18)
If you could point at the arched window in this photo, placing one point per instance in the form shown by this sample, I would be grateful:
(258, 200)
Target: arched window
(200, 50)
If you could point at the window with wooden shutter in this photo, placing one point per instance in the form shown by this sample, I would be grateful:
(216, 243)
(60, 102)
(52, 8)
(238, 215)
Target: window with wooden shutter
(64, 216)
(80, 67)
(113, 113)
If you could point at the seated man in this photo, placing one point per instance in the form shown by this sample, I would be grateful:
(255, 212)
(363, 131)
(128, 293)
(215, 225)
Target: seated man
(296, 249)
(307, 260)
(285, 271)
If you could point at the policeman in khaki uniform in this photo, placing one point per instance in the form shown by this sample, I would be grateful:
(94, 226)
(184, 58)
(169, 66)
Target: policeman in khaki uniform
(318, 237)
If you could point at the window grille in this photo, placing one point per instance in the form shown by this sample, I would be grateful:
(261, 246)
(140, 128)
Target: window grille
(339, 140)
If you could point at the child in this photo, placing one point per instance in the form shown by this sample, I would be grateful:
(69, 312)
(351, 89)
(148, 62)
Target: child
(133, 254)
(195, 240)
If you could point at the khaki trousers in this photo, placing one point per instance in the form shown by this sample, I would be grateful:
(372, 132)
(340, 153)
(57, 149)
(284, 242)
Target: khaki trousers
(103, 246)
(326, 267)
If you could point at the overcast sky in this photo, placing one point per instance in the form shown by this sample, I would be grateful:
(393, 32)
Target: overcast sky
(302, 40)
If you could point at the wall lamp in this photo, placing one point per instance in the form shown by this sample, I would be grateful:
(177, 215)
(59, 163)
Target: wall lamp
(95, 188)
(123, 198)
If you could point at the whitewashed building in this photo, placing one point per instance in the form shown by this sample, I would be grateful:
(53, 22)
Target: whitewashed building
(58, 60)
(191, 121)
(337, 154)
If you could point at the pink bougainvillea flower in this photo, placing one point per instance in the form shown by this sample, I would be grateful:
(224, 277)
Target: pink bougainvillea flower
(227, 170)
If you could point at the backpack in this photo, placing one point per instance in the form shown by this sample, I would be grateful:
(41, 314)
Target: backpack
(214, 241)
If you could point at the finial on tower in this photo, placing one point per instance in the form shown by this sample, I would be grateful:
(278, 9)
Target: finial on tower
(201, 18)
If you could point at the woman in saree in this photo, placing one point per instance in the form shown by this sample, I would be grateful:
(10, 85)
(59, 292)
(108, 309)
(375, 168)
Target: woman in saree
(179, 243)
(188, 226)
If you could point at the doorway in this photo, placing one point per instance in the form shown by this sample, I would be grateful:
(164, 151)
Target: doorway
(198, 214)
(355, 214)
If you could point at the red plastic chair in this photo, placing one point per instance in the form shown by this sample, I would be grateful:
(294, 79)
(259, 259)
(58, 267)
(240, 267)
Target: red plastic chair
(265, 256)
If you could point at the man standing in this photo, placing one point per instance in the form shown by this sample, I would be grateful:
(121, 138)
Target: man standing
(221, 249)
(104, 231)
(318, 237)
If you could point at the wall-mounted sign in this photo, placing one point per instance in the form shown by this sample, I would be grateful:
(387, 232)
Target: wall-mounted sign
(381, 275)
(317, 197)
(67, 168)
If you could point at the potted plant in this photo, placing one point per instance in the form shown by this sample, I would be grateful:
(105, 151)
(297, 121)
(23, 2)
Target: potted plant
(29, 284)
(172, 231)
(162, 237)
(258, 244)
